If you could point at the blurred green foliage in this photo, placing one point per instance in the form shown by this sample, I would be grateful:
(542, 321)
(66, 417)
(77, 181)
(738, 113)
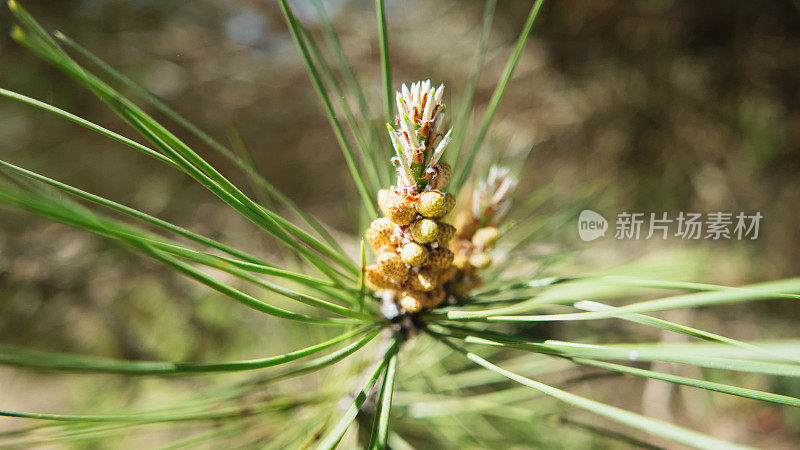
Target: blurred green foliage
(672, 106)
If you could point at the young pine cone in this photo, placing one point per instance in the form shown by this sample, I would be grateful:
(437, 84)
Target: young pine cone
(435, 204)
(415, 301)
(413, 254)
(424, 280)
(396, 207)
(486, 237)
(424, 231)
(392, 267)
(446, 233)
(440, 259)
(411, 301)
(375, 280)
(480, 260)
(380, 232)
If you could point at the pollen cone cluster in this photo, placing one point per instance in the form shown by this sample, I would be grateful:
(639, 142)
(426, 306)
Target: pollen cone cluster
(420, 259)
(478, 231)
(411, 244)
(411, 240)
(471, 254)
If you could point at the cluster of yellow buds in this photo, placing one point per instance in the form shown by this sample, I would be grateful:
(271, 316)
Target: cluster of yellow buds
(421, 260)
(478, 231)
(411, 244)
(471, 253)
(411, 241)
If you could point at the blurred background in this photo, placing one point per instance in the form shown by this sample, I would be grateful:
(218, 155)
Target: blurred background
(660, 105)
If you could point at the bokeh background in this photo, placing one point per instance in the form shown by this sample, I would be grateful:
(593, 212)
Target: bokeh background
(653, 105)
